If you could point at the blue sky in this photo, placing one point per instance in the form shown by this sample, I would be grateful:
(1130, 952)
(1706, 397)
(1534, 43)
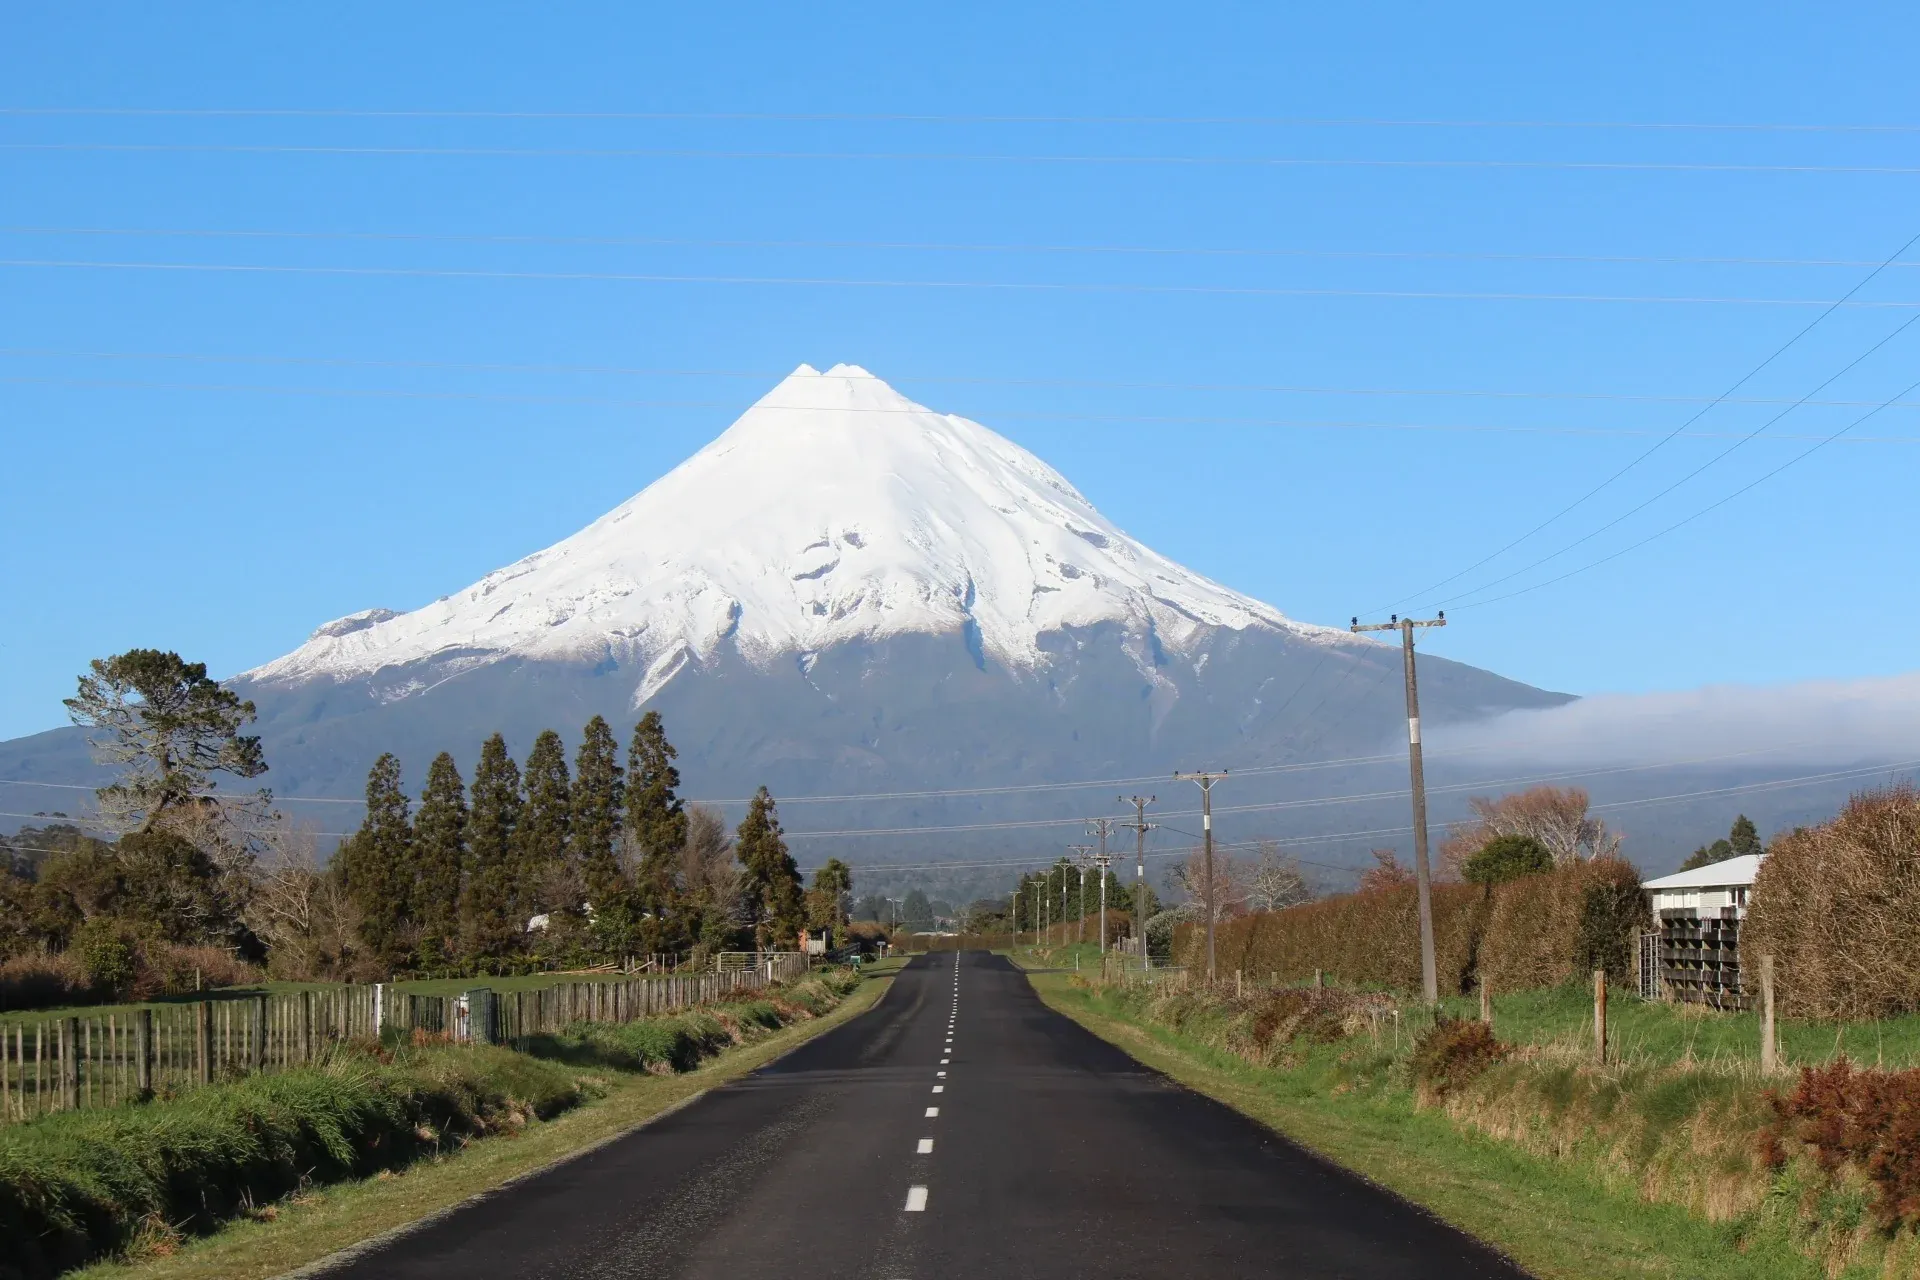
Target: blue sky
(1330, 382)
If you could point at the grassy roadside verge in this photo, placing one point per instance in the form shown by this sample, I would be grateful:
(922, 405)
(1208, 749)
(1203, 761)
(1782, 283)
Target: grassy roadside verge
(305, 1228)
(1550, 1217)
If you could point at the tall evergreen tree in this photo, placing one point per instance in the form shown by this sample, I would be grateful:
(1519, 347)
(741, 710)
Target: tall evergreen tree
(656, 817)
(772, 877)
(379, 865)
(488, 926)
(599, 792)
(540, 841)
(1744, 837)
(439, 857)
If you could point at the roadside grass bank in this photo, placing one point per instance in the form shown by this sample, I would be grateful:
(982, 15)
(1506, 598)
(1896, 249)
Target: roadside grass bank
(271, 1172)
(1573, 1171)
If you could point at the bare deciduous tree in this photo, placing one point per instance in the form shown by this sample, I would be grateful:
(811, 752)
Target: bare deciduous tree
(304, 914)
(1557, 817)
(1275, 881)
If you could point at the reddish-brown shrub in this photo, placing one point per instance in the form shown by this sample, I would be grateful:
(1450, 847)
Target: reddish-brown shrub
(43, 982)
(1451, 1053)
(1537, 931)
(1841, 1114)
(1838, 907)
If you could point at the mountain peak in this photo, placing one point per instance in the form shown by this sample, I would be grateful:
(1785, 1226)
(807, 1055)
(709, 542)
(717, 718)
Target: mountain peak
(834, 510)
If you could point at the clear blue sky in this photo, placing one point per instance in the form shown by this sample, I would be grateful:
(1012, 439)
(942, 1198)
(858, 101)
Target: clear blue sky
(225, 504)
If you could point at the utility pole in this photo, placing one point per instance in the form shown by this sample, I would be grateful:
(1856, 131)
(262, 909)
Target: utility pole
(1102, 827)
(1080, 870)
(1429, 976)
(1140, 826)
(1206, 780)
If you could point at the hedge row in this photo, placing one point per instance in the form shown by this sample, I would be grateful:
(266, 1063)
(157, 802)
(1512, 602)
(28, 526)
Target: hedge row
(1537, 931)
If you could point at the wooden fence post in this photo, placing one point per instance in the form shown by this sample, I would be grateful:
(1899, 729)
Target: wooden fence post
(1769, 1045)
(143, 1051)
(1600, 1017)
(259, 1034)
(1486, 1003)
(1319, 977)
(70, 1063)
(203, 1026)
(306, 1026)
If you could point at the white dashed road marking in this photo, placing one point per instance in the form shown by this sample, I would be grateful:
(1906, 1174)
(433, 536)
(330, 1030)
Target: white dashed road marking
(939, 1088)
(925, 1148)
(916, 1199)
(932, 1112)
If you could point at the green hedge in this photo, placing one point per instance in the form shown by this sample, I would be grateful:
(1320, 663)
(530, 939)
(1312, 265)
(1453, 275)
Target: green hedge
(80, 1184)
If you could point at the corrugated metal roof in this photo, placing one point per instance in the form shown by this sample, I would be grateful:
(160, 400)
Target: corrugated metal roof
(1715, 875)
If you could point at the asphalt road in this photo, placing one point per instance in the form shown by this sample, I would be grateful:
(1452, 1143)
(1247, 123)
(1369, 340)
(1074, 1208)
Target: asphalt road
(958, 1129)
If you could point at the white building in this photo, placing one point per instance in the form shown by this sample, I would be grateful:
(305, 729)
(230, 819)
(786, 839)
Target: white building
(1695, 954)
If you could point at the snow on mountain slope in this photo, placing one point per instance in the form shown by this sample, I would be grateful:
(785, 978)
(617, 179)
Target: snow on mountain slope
(835, 509)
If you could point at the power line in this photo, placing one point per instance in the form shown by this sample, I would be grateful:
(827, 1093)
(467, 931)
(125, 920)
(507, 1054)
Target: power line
(1020, 286)
(1665, 440)
(1193, 251)
(870, 117)
(1680, 524)
(1715, 459)
(1215, 420)
(970, 380)
(956, 157)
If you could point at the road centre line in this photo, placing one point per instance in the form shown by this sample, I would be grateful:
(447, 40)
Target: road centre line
(925, 1148)
(916, 1199)
(933, 1113)
(939, 1088)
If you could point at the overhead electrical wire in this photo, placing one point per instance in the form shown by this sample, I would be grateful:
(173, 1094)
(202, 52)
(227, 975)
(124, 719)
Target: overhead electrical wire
(1194, 251)
(1607, 483)
(1710, 462)
(1016, 286)
(906, 117)
(957, 157)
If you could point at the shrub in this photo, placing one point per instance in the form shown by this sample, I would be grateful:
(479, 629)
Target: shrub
(1613, 909)
(1838, 907)
(79, 1184)
(1841, 1114)
(1505, 858)
(1545, 930)
(108, 955)
(43, 982)
(1448, 1056)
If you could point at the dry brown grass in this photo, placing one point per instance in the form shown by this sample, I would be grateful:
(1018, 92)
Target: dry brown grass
(1838, 907)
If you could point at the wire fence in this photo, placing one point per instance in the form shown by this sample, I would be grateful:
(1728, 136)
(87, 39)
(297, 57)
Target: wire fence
(61, 1064)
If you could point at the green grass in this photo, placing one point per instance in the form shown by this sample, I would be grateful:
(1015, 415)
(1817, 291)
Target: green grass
(1669, 1034)
(1351, 1103)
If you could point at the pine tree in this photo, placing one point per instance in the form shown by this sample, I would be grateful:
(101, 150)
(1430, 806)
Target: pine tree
(656, 818)
(379, 865)
(439, 857)
(599, 792)
(546, 880)
(826, 901)
(772, 877)
(488, 926)
(1744, 837)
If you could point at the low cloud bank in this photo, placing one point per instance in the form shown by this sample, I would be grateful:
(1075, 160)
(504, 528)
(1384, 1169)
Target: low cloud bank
(1828, 722)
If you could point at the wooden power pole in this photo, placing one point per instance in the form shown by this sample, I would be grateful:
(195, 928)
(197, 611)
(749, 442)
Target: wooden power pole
(1206, 780)
(1102, 827)
(1140, 826)
(1423, 879)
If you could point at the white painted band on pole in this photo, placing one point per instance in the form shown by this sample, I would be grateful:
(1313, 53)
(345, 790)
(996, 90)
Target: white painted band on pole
(1413, 730)
(1206, 822)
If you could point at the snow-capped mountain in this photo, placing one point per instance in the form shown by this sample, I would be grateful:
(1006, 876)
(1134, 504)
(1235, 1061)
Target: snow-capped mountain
(834, 510)
(847, 592)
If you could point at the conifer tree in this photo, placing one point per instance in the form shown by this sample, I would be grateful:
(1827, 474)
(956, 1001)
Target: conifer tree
(540, 840)
(656, 817)
(1744, 837)
(599, 791)
(379, 865)
(488, 926)
(439, 857)
(772, 878)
